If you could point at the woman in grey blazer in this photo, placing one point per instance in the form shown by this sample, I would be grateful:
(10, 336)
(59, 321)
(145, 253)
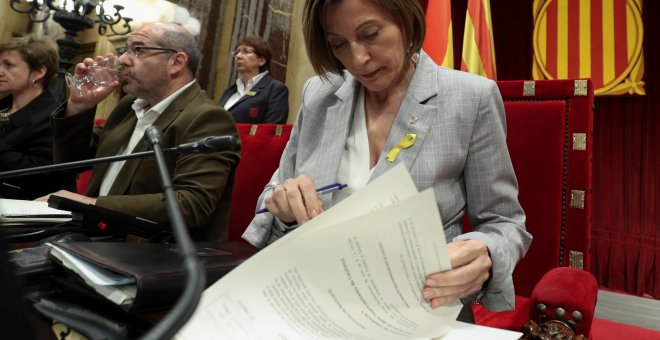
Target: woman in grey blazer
(376, 86)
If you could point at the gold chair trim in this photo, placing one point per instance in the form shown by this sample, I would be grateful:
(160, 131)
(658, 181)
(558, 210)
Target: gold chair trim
(580, 88)
(576, 259)
(577, 199)
(580, 141)
(529, 88)
(253, 129)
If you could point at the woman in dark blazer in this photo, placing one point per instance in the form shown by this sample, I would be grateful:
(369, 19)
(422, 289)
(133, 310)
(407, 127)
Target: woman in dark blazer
(27, 64)
(256, 97)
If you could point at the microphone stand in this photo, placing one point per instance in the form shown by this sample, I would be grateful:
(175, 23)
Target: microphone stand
(195, 279)
(186, 148)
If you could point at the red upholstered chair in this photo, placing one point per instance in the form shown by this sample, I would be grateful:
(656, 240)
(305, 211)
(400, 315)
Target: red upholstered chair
(564, 293)
(549, 135)
(84, 177)
(82, 181)
(261, 148)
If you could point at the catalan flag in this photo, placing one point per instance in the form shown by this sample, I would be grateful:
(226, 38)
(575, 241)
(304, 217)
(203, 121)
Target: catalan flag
(478, 46)
(438, 42)
(597, 39)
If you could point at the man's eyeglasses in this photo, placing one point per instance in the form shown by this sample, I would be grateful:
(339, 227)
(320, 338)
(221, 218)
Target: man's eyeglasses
(138, 50)
(246, 51)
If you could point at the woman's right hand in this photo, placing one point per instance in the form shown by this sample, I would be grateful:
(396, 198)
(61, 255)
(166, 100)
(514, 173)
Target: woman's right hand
(91, 94)
(295, 200)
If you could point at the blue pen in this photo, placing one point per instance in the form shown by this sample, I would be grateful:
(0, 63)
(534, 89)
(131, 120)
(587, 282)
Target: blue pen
(326, 189)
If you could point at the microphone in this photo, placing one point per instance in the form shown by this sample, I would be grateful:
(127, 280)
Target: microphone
(205, 145)
(208, 145)
(194, 275)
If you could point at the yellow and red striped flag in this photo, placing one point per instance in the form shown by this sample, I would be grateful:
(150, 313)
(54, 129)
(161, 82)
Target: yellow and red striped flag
(438, 43)
(597, 39)
(478, 44)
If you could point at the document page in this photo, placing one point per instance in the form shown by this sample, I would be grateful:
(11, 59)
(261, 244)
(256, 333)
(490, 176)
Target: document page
(465, 331)
(30, 211)
(391, 187)
(356, 272)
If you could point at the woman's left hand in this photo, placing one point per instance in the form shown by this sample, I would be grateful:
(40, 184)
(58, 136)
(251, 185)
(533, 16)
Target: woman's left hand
(470, 269)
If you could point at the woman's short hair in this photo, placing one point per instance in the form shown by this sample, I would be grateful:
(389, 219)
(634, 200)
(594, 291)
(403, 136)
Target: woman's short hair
(260, 47)
(408, 14)
(37, 52)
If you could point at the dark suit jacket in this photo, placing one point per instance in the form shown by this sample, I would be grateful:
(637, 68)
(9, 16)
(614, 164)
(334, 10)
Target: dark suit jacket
(203, 182)
(26, 142)
(268, 104)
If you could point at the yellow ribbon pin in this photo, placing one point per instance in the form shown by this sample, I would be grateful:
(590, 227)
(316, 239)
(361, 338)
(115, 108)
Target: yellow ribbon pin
(250, 93)
(407, 141)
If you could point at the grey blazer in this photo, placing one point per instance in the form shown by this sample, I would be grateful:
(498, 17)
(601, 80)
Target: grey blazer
(460, 151)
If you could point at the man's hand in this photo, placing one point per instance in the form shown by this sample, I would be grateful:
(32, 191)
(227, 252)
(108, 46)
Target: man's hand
(471, 266)
(70, 195)
(91, 94)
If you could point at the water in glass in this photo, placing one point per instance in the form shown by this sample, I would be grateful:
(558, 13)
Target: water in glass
(98, 74)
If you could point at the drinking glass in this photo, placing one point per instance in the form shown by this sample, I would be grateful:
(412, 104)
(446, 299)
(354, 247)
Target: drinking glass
(98, 74)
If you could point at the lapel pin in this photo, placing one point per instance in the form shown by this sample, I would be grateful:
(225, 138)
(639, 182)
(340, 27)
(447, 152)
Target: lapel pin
(407, 141)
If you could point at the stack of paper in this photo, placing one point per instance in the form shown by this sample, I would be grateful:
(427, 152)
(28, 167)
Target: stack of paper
(355, 272)
(21, 212)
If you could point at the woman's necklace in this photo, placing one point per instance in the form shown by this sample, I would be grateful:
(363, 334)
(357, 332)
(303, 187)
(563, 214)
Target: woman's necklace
(4, 114)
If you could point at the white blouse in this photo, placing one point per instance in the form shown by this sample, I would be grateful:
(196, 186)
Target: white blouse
(354, 165)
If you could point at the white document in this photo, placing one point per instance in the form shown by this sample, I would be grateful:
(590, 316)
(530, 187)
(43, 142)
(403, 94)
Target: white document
(356, 271)
(467, 331)
(390, 188)
(30, 211)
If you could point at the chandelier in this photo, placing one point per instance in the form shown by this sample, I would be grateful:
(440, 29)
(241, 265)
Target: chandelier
(74, 16)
